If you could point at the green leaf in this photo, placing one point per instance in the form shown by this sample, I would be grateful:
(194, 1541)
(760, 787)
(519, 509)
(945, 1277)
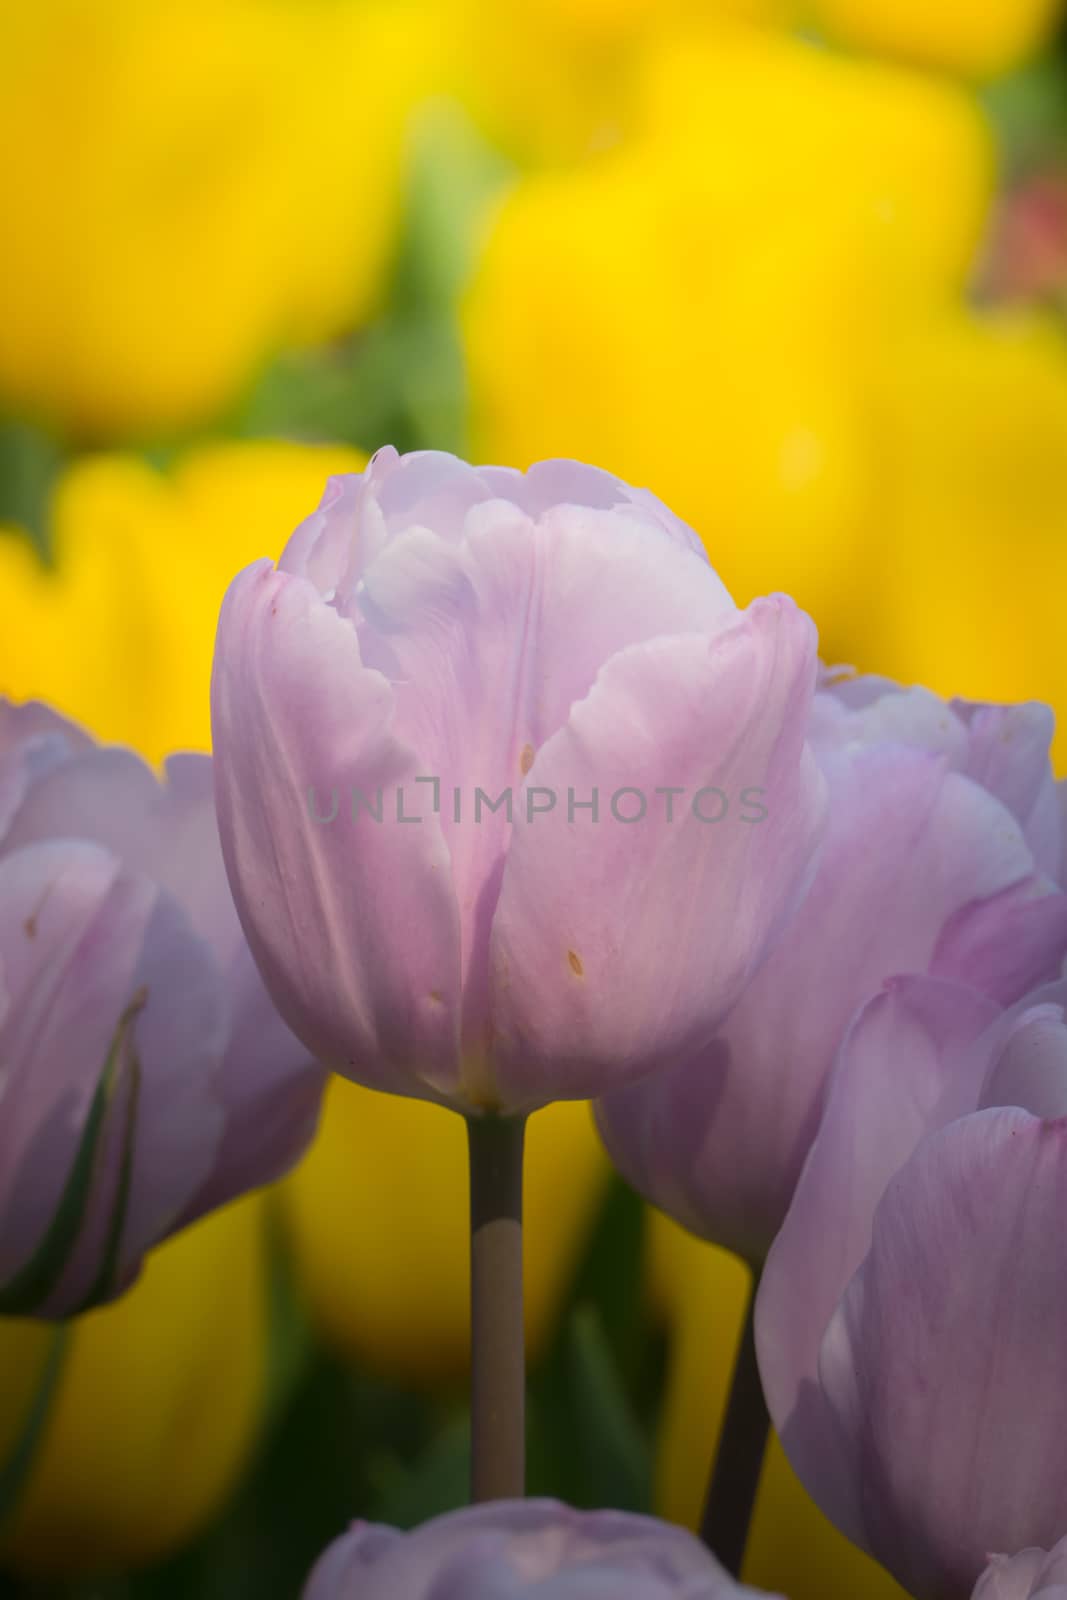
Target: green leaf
(33, 1283)
(455, 178)
(612, 1277)
(104, 1284)
(607, 1345)
(291, 1341)
(1028, 110)
(438, 1482)
(616, 1457)
(30, 461)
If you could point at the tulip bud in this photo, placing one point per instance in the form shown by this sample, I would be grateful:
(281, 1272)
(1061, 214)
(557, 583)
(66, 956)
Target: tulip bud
(912, 1317)
(943, 841)
(146, 1077)
(486, 748)
(531, 1547)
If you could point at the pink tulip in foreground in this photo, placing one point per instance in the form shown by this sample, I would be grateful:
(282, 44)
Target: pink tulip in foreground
(1031, 1575)
(537, 1548)
(513, 799)
(912, 1320)
(144, 1075)
(943, 845)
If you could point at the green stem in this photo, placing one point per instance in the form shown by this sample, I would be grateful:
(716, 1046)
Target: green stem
(498, 1355)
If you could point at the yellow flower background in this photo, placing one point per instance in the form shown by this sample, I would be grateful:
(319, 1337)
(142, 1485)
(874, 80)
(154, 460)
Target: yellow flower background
(738, 251)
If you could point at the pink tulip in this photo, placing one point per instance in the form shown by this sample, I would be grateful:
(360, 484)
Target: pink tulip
(944, 839)
(510, 1549)
(438, 641)
(912, 1320)
(144, 1075)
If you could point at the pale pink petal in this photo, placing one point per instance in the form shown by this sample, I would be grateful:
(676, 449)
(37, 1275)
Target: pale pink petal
(945, 1339)
(618, 946)
(353, 921)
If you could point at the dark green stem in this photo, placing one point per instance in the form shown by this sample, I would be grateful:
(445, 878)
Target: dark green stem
(498, 1354)
(735, 1477)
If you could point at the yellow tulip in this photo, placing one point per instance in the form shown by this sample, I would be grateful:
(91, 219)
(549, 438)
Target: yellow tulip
(702, 310)
(982, 39)
(378, 1218)
(792, 1548)
(119, 632)
(555, 79)
(197, 181)
(971, 561)
(156, 1410)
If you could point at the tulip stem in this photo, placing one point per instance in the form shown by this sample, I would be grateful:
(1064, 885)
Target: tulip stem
(735, 1475)
(498, 1355)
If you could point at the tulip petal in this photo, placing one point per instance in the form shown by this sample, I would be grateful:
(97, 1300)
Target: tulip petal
(168, 831)
(954, 1325)
(870, 711)
(59, 903)
(561, 482)
(1021, 1577)
(896, 1076)
(1007, 944)
(583, 997)
(36, 1280)
(1003, 748)
(353, 922)
(181, 1037)
(720, 1139)
(1051, 1583)
(1029, 1067)
(361, 513)
(165, 830)
(83, 941)
(1008, 754)
(32, 740)
(490, 642)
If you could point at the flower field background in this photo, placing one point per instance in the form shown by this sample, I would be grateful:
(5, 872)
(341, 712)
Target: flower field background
(802, 271)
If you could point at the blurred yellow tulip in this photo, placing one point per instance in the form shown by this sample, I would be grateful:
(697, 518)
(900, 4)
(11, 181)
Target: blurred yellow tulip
(197, 181)
(702, 310)
(792, 1548)
(157, 1407)
(378, 1219)
(971, 560)
(553, 80)
(983, 38)
(119, 632)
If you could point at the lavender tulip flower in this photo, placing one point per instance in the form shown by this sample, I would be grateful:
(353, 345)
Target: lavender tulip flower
(530, 1547)
(512, 798)
(1031, 1575)
(912, 1320)
(144, 1075)
(944, 841)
